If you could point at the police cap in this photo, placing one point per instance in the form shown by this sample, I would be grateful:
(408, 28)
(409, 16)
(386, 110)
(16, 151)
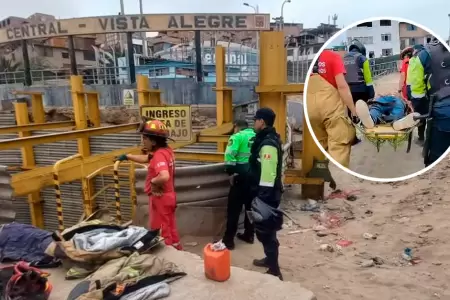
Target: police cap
(265, 114)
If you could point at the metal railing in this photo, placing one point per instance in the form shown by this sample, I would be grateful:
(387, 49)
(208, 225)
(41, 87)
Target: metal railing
(383, 69)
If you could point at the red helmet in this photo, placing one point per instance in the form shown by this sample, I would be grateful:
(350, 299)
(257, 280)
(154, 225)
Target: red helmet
(154, 128)
(407, 51)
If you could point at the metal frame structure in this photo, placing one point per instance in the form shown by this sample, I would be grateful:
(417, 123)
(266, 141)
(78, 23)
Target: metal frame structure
(272, 92)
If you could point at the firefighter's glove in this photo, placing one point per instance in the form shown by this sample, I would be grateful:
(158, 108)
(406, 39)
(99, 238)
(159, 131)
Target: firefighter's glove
(121, 157)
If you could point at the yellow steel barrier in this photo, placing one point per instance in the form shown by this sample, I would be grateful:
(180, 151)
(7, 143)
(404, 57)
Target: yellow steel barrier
(272, 90)
(57, 185)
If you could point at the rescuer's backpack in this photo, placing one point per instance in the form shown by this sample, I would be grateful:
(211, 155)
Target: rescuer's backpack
(22, 282)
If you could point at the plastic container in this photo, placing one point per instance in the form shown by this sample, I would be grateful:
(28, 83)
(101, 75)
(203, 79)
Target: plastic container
(217, 264)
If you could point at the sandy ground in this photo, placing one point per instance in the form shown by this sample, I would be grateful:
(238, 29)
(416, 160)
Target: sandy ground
(387, 163)
(410, 214)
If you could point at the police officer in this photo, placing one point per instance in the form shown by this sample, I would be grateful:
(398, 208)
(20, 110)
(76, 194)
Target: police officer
(435, 59)
(266, 187)
(417, 86)
(358, 74)
(236, 165)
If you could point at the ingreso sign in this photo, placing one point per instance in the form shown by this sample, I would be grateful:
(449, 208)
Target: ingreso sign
(177, 119)
(137, 23)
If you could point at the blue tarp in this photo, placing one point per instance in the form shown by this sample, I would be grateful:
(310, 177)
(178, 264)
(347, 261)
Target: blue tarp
(23, 242)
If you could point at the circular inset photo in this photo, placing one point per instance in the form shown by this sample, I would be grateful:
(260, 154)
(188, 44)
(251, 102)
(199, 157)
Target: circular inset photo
(377, 99)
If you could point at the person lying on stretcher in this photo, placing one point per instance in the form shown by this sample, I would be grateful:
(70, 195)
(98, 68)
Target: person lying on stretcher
(385, 109)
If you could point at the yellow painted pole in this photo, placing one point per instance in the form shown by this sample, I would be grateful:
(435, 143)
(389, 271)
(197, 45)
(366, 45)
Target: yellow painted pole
(93, 108)
(272, 72)
(84, 149)
(224, 96)
(143, 85)
(309, 152)
(37, 108)
(28, 161)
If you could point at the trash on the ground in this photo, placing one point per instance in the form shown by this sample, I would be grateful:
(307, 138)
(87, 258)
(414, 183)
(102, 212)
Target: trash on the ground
(368, 263)
(349, 196)
(429, 204)
(191, 244)
(326, 247)
(408, 256)
(328, 220)
(369, 236)
(319, 228)
(344, 243)
(288, 224)
(314, 207)
(299, 231)
(322, 233)
(437, 263)
(369, 212)
(218, 246)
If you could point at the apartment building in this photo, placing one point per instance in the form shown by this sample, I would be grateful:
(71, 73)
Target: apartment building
(411, 35)
(381, 38)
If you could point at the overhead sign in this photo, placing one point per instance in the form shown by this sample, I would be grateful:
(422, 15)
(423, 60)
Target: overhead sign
(137, 23)
(177, 119)
(128, 97)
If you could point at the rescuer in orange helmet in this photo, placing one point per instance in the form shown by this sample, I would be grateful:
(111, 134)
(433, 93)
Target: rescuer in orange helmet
(159, 184)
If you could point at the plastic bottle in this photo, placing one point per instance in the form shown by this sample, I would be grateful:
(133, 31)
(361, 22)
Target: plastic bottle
(217, 264)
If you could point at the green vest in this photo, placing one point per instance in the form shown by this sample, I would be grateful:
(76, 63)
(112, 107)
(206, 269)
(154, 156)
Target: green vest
(238, 150)
(416, 78)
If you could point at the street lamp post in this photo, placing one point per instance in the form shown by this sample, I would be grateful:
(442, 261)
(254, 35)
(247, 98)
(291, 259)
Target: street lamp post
(256, 9)
(282, 10)
(143, 34)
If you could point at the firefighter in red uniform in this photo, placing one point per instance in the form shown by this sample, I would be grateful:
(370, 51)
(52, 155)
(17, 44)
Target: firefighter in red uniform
(159, 184)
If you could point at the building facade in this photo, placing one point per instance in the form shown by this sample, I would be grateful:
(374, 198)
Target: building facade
(381, 38)
(411, 35)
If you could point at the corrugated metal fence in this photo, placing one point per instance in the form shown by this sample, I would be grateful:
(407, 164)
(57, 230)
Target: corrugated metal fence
(7, 212)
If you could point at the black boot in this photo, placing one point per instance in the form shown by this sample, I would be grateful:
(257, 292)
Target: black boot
(249, 239)
(276, 273)
(262, 263)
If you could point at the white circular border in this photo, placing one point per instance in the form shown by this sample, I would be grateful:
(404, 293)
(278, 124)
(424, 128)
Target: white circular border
(375, 179)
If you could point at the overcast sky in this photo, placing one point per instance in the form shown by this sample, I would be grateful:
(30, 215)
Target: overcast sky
(309, 12)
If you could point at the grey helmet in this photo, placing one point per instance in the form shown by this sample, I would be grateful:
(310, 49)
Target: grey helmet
(355, 44)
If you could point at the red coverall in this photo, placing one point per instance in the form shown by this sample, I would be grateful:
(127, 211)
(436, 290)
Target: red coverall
(404, 69)
(162, 208)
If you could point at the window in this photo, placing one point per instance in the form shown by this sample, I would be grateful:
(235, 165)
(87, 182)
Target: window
(366, 40)
(411, 27)
(385, 23)
(366, 24)
(290, 52)
(89, 55)
(371, 54)
(65, 55)
(386, 52)
(47, 52)
(412, 41)
(386, 37)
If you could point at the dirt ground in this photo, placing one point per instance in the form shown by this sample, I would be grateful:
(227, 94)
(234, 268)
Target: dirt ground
(411, 214)
(387, 163)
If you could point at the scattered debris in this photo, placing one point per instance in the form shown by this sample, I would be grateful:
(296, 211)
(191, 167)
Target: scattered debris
(322, 233)
(369, 236)
(368, 263)
(326, 247)
(349, 196)
(191, 244)
(344, 243)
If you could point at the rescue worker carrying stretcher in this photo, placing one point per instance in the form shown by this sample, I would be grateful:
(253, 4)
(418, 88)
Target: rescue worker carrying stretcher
(266, 188)
(416, 87)
(358, 74)
(236, 165)
(328, 97)
(433, 61)
(159, 183)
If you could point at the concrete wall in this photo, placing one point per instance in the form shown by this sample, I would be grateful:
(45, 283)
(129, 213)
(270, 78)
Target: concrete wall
(175, 91)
